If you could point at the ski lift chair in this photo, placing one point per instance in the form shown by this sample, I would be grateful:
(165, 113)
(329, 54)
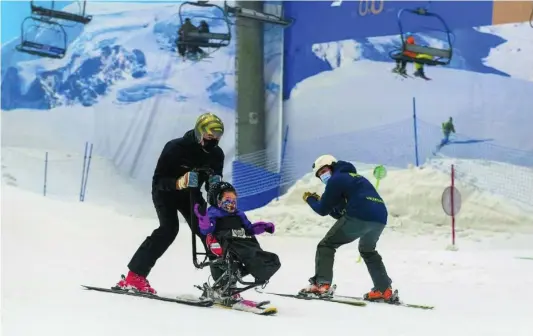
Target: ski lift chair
(439, 56)
(211, 41)
(61, 15)
(33, 47)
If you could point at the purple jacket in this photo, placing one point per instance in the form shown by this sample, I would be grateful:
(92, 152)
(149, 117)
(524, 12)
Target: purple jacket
(214, 213)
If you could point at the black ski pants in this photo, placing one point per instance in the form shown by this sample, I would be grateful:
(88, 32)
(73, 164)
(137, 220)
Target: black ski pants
(345, 231)
(154, 246)
(262, 265)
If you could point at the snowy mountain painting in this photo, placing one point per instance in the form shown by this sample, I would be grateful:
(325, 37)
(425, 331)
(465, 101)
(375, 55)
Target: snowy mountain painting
(121, 86)
(341, 96)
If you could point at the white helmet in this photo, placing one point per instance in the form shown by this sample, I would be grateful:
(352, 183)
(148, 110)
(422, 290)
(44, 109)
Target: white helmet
(322, 161)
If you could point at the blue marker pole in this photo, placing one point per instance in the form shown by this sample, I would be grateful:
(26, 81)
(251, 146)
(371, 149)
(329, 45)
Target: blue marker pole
(45, 172)
(415, 131)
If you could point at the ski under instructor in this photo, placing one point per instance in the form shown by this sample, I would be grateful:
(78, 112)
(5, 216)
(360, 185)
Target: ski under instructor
(361, 214)
(174, 175)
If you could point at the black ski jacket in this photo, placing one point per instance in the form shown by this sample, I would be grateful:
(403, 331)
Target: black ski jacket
(180, 156)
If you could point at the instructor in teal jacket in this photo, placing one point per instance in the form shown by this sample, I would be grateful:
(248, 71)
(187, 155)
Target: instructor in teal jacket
(361, 214)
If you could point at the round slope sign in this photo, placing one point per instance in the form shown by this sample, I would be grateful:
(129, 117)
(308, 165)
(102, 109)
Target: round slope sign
(447, 201)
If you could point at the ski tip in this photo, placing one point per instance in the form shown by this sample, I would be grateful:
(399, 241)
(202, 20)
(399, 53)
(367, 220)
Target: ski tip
(269, 311)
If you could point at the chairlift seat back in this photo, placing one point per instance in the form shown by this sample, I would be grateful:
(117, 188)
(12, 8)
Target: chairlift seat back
(211, 36)
(206, 40)
(435, 52)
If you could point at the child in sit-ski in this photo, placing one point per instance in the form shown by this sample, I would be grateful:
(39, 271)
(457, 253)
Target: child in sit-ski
(228, 229)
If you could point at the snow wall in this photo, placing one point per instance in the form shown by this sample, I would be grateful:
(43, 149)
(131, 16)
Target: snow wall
(340, 96)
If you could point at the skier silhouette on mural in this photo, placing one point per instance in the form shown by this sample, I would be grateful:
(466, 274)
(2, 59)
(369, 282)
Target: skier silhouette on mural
(419, 67)
(447, 129)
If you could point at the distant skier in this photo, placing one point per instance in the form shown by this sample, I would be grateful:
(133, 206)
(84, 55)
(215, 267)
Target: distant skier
(447, 129)
(227, 229)
(364, 217)
(174, 175)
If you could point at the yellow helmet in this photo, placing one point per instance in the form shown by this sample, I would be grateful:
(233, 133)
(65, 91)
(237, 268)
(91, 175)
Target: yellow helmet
(208, 123)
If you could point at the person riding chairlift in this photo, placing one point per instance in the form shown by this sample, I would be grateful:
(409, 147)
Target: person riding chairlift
(186, 28)
(419, 67)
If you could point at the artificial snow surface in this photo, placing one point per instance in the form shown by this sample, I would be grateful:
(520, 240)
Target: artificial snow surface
(52, 244)
(50, 247)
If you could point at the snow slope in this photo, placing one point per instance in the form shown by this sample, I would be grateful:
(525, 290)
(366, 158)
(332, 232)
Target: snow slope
(413, 198)
(59, 245)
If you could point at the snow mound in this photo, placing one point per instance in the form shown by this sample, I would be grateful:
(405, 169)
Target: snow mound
(413, 198)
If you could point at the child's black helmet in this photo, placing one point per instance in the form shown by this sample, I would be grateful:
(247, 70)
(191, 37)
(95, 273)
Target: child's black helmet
(216, 191)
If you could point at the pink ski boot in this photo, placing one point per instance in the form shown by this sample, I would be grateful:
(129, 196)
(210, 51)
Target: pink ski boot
(135, 282)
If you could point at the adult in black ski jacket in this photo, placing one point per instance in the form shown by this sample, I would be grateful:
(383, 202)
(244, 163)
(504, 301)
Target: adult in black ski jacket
(187, 162)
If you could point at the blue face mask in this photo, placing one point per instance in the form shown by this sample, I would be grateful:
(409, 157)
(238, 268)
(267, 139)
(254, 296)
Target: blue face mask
(325, 177)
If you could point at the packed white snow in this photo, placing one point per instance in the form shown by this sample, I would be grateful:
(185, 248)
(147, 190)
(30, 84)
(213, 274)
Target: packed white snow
(413, 198)
(50, 247)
